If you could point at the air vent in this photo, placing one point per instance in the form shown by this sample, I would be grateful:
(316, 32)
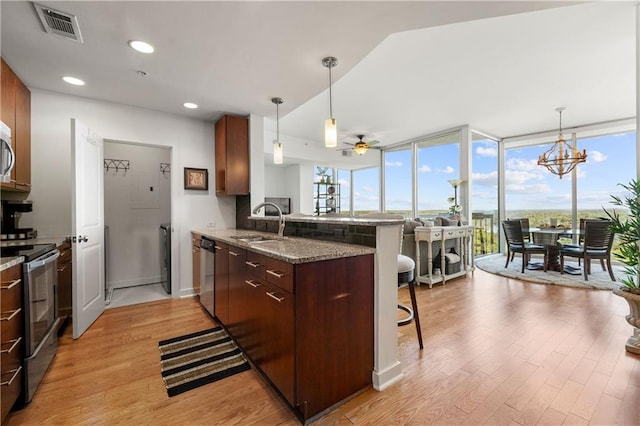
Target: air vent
(347, 153)
(58, 23)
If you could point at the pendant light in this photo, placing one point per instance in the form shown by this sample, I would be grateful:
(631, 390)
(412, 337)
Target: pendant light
(330, 128)
(278, 154)
(562, 157)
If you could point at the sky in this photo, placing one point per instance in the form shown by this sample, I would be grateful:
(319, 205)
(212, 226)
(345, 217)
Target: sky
(610, 160)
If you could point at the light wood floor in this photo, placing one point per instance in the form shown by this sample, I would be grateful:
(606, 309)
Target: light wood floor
(497, 351)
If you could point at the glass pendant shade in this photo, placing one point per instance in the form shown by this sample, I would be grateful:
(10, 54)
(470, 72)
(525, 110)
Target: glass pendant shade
(330, 133)
(277, 152)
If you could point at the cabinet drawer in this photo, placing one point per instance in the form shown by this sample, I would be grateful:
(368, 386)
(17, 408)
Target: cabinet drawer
(11, 386)
(11, 324)
(279, 273)
(10, 294)
(11, 353)
(255, 265)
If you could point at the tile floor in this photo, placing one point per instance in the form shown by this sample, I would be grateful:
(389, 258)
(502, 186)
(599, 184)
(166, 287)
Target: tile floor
(139, 294)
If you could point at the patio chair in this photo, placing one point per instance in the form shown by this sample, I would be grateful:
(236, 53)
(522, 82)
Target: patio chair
(517, 244)
(598, 240)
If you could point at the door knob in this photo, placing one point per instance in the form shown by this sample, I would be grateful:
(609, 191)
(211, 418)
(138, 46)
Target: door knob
(83, 239)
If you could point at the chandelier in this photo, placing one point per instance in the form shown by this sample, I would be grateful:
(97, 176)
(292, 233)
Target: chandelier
(562, 157)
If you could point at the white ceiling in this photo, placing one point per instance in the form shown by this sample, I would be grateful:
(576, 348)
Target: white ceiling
(405, 68)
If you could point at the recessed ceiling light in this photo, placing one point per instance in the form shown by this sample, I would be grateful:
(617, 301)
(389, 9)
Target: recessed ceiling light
(141, 46)
(190, 105)
(73, 80)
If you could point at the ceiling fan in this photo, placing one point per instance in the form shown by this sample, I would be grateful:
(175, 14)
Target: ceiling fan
(361, 147)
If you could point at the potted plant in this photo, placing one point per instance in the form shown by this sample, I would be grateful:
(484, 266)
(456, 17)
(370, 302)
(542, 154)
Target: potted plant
(627, 230)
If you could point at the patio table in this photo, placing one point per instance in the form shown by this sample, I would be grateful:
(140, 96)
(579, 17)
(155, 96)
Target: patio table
(549, 238)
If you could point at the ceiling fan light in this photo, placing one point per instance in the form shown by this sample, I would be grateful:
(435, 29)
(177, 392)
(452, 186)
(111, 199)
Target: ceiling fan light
(330, 133)
(361, 148)
(278, 153)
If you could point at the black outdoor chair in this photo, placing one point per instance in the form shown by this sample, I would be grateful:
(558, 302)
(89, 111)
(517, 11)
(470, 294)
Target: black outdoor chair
(597, 243)
(517, 244)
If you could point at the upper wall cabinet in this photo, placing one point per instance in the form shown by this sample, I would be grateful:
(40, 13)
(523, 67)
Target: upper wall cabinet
(15, 112)
(232, 155)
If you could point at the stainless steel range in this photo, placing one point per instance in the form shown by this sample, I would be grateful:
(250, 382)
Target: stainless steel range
(41, 322)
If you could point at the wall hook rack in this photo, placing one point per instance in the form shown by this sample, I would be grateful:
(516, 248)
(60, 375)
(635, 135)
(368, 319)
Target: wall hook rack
(165, 168)
(111, 163)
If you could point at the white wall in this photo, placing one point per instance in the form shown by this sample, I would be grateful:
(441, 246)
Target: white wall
(192, 143)
(275, 183)
(136, 202)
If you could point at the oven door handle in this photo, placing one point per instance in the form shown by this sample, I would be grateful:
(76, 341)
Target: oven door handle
(42, 262)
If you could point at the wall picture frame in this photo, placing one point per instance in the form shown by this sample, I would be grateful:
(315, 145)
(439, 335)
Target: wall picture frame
(196, 178)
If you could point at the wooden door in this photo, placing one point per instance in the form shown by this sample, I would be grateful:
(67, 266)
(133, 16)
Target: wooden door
(237, 292)
(195, 262)
(221, 283)
(21, 137)
(278, 363)
(87, 226)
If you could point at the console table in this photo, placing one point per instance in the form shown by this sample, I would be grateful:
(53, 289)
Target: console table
(440, 234)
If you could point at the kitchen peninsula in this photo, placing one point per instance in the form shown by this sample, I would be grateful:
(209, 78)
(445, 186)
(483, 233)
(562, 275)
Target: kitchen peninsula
(341, 317)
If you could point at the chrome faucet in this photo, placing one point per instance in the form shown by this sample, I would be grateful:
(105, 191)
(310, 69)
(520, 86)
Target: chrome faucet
(280, 215)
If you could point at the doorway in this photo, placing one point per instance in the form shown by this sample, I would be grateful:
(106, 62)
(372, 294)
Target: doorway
(137, 206)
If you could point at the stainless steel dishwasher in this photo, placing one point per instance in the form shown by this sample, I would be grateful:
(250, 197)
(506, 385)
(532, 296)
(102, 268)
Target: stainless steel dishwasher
(207, 265)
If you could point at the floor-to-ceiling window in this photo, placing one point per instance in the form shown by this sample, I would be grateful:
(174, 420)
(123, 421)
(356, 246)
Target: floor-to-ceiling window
(344, 179)
(398, 181)
(438, 162)
(534, 192)
(366, 190)
(611, 160)
(484, 194)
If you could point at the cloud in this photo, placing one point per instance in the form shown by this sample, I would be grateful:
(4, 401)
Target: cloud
(424, 169)
(485, 151)
(485, 179)
(519, 177)
(393, 163)
(596, 156)
(538, 188)
(368, 188)
(522, 164)
(448, 170)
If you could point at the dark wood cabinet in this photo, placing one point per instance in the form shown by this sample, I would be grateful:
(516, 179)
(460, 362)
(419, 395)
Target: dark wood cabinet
(65, 281)
(232, 155)
(12, 335)
(236, 295)
(15, 112)
(221, 283)
(195, 262)
(307, 327)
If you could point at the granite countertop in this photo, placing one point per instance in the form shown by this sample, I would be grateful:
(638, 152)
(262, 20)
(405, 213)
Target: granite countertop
(288, 249)
(337, 220)
(57, 240)
(8, 262)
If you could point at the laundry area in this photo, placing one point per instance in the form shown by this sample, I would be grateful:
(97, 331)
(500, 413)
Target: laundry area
(137, 213)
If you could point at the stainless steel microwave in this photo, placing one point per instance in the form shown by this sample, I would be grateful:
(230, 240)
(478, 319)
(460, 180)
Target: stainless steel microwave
(7, 157)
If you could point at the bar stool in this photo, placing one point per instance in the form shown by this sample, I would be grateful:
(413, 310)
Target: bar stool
(406, 275)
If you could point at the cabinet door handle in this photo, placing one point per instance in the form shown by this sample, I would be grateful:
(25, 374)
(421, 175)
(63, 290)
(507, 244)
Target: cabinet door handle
(15, 343)
(233, 253)
(13, 314)
(274, 296)
(15, 374)
(252, 264)
(219, 248)
(276, 273)
(62, 268)
(253, 283)
(11, 285)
